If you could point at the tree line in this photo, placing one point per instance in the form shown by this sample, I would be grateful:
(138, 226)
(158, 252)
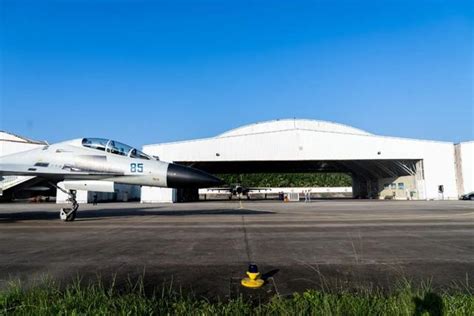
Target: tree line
(288, 179)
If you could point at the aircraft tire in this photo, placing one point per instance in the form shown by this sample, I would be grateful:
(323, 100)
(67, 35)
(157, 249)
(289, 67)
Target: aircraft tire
(63, 214)
(65, 217)
(71, 216)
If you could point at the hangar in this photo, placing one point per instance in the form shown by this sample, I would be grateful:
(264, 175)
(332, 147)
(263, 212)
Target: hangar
(10, 144)
(380, 166)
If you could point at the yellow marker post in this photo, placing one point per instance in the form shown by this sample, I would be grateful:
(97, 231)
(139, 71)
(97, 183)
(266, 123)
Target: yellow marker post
(253, 281)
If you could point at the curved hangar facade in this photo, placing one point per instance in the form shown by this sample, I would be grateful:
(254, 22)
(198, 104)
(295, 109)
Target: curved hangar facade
(381, 167)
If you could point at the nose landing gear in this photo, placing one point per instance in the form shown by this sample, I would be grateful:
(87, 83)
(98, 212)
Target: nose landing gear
(69, 214)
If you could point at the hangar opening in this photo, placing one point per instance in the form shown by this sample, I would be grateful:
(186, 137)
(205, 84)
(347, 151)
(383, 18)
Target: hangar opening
(381, 167)
(374, 179)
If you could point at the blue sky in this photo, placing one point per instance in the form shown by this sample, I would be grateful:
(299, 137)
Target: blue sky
(154, 71)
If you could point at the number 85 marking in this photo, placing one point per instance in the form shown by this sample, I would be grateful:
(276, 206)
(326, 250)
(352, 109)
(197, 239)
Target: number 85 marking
(136, 167)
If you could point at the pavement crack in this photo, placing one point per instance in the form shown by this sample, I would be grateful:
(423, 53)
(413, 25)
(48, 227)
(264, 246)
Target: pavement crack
(246, 241)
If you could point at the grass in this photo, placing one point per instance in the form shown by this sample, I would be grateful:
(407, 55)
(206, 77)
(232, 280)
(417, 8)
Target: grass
(77, 298)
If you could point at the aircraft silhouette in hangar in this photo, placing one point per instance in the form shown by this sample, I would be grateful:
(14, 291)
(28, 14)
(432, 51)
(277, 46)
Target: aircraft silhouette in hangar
(239, 190)
(95, 164)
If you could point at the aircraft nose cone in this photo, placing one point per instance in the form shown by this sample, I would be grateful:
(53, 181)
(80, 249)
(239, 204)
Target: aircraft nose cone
(179, 176)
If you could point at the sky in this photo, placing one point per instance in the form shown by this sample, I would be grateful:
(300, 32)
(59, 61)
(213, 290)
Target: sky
(145, 72)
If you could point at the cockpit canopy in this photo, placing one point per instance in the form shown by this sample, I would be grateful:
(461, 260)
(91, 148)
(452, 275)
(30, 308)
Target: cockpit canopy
(114, 147)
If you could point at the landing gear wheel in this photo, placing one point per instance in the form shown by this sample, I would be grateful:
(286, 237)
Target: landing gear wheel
(67, 215)
(72, 216)
(63, 214)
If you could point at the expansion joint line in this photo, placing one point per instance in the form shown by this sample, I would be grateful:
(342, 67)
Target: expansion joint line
(246, 241)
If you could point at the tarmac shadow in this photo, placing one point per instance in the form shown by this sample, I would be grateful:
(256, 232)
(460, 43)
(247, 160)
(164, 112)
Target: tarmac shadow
(269, 274)
(122, 212)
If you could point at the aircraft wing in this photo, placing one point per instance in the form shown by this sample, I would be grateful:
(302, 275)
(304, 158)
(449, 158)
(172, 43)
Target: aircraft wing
(229, 189)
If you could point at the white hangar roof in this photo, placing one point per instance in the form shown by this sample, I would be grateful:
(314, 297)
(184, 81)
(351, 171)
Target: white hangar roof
(6, 136)
(11, 143)
(295, 139)
(294, 124)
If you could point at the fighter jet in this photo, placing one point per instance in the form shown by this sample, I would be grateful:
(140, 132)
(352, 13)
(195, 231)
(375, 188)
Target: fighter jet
(95, 164)
(238, 190)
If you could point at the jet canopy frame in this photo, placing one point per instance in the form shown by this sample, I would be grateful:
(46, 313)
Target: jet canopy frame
(114, 147)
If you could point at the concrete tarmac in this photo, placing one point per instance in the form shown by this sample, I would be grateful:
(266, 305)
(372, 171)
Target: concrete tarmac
(204, 247)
